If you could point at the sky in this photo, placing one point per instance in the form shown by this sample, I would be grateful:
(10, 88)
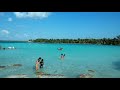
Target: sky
(71, 25)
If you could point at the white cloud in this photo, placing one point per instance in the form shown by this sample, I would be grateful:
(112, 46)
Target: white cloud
(6, 32)
(9, 19)
(38, 15)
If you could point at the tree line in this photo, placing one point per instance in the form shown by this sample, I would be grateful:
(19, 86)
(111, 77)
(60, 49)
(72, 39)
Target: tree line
(103, 41)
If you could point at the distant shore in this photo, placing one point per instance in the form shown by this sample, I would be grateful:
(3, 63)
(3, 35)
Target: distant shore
(57, 43)
(103, 41)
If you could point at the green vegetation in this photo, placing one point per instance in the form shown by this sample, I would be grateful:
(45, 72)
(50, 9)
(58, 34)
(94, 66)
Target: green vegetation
(104, 41)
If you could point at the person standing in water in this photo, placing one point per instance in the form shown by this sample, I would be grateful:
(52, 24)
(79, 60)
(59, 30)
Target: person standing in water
(41, 63)
(39, 60)
(62, 56)
(37, 64)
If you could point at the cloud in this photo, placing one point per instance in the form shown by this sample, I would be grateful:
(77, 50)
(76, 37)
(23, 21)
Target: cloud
(38, 15)
(6, 32)
(9, 19)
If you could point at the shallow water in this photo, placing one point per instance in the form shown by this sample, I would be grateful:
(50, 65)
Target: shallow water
(103, 59)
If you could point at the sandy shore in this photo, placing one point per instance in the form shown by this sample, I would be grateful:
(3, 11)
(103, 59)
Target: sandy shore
(37, 76)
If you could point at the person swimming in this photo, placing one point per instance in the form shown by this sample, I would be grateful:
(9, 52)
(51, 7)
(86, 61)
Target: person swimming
(4, 48)
(60, 48)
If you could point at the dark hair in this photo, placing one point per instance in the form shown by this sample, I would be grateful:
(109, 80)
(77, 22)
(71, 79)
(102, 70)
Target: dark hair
(39, 58)
(42, 60)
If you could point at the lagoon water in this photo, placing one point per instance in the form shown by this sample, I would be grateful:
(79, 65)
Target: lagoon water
(103, 59)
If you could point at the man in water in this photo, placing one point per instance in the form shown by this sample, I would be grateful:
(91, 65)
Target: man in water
(41, 63)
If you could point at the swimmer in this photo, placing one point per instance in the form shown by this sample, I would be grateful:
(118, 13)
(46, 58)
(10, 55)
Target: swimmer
(60, 48)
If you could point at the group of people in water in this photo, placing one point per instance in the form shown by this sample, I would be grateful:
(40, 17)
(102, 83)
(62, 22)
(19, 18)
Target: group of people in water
(62, 55)
(39, 63)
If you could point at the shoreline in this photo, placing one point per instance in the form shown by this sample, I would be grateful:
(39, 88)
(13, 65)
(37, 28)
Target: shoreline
(56, 43)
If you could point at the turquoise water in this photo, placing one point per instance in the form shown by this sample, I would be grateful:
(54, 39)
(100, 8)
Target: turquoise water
(103, 59)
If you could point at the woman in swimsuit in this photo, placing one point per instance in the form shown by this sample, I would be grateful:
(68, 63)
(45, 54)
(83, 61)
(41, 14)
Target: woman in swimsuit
(37, 64)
